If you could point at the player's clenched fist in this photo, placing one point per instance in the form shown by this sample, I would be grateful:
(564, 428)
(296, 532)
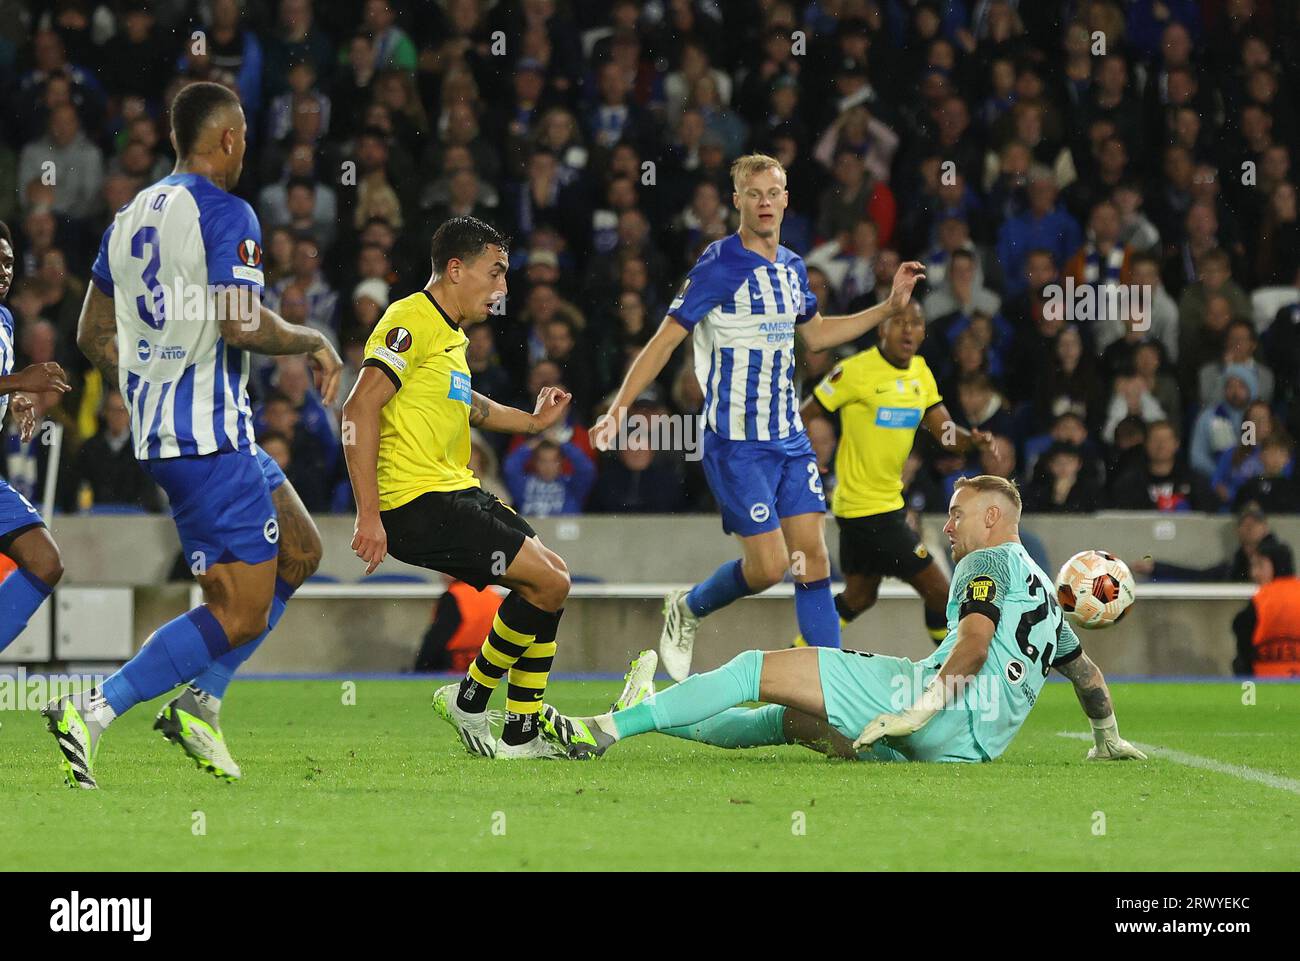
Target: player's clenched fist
(39, 378)
(552, 403)
(370, 541)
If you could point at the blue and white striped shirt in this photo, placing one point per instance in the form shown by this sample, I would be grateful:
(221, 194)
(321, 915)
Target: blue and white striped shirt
(742, 309)
(164, 260)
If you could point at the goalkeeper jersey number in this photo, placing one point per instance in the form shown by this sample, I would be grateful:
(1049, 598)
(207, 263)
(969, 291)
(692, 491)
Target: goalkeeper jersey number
(1030, 637)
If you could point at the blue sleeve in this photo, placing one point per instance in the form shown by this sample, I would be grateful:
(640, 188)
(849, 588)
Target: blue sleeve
(100, 272)
(514, 474)
(701, 291)
(581, 480)
(809, 298)
(232, 238)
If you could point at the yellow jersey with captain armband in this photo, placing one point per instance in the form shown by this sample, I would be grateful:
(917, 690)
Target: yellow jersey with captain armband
(880, 406)
(424, 429)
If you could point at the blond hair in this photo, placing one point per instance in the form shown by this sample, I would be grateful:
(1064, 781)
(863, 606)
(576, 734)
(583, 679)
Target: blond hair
(745, 167)
(991, 484)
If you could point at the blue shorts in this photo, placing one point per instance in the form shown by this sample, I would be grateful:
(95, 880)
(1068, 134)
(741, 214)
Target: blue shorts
(221, 504)
(270, 469)
(16, 513)
(758, 482)
(858, 687)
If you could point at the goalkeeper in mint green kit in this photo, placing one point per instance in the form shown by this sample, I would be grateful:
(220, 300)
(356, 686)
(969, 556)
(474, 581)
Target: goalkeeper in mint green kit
(1006, 631)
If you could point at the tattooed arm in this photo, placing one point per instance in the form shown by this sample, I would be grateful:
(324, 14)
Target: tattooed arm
(97, 334)
(1089, 687)
(247, 324)
(1094, 698)
(552, 402)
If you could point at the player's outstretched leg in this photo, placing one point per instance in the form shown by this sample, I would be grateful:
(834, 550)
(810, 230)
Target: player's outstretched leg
(638, 684)
(239, 599)
(39, 570)
(787, 677)
(192, 718)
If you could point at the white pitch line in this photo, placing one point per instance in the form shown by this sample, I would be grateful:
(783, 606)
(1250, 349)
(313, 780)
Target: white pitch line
(1205, 764)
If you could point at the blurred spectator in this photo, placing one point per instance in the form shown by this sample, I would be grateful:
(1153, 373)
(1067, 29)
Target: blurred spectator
(1218, 426)
(1239, 347)
(104, 471)
(1060, 484)
(546, 477)
(66, 160)
(1043, 226)
(1131, 397)
(1275, 489)
(1252, 532)
(1162, 482)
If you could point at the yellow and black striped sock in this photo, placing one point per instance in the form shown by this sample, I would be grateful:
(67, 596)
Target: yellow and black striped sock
(527, 685)
(936, 625)
(514, 629)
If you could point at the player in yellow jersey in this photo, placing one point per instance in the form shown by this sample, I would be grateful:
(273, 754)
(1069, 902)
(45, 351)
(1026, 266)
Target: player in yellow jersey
(882, 396)
(406, 440)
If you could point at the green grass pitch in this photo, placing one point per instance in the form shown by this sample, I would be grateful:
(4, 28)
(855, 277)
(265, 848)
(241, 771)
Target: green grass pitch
(383, 784)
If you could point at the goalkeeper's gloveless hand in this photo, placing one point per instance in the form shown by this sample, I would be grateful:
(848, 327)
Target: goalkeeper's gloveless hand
(1111, 747)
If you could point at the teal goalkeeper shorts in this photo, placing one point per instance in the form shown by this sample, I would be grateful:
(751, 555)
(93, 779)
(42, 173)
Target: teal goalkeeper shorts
(858, 687)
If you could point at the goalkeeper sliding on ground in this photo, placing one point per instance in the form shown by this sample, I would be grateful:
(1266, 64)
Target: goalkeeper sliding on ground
(965, 703)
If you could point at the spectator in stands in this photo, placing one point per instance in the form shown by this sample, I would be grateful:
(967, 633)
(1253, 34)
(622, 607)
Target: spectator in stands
(547, 477)
(1252, 531)
(1162, 482)
(1060, 484)
(66, 160)
(1239, 347)
(1268, 630)
(104, 472)
(1102, 261)
(307, 459)
(1194, 308)
(852, 195)
(1131, 397)
(322, 300)
(1218, 426)
(1242, 462)
(1043, 226)
(1275, 489)
(1159, 323)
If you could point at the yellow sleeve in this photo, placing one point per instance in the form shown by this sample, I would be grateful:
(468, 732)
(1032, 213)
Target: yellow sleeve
(932, 395)
(397, 345)
(837, 388)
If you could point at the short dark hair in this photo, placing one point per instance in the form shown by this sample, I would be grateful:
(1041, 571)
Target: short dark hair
(191, 109)
(300, 182)
(463, 238)
(5, 233)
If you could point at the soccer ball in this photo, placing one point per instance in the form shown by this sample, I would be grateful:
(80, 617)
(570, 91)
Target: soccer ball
(1095, 588)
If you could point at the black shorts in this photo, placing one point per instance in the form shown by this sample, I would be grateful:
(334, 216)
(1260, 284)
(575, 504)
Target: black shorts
(881, 544)
(467, 534)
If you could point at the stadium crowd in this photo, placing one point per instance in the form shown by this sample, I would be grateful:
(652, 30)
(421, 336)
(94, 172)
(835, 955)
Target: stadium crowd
(1017, 149)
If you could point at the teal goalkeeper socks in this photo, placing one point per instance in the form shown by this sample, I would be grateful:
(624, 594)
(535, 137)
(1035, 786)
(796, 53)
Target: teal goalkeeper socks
(698, 697)
(737, 727)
